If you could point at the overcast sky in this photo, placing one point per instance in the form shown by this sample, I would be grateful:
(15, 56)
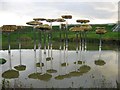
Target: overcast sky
(21, 11)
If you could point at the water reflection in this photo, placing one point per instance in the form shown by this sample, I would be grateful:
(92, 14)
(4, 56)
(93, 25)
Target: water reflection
(86, 77)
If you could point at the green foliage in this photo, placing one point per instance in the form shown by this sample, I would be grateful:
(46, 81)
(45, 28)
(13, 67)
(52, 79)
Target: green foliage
(9, 74)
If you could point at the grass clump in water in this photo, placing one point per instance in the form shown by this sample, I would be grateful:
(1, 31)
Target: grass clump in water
(9, 74)
(34, 75)
(59, 77)
(51, 71)
(100, 62)
(66, 76)
(20, 67)
(45, 77)
(75, 73)
(84, 69)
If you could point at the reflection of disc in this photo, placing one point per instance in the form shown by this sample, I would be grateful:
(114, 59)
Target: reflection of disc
(39, 65)
(34, 75)
(59, 77)
(66, 76)
(75, 73)
(51, 71)
(20, 67)
(49, 58)
(84, 69)
(45, 77)
(2, 61)
(9, 74)
(78, 62)
(64, 64)
(100, 62)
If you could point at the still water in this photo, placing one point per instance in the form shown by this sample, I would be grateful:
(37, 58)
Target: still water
(99, 76)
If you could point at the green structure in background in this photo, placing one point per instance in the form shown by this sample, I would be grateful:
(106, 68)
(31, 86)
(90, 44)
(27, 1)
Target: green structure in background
(100, 31)
(9, 74)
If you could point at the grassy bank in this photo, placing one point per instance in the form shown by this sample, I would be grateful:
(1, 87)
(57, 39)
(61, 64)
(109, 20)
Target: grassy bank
(110, 40)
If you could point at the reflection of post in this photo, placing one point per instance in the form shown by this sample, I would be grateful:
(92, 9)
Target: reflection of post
(80, 47)
(40, 51)
(64, 47)
(66, 42)
(60, 50)
(51, 50)
(35, 61)
(82, 41)
(48, 44)
(76, 50)
(85, 41)
(100, 45)
(60, 63)
(19, 42)
(35, 49)
(9, 51)
(45, 50)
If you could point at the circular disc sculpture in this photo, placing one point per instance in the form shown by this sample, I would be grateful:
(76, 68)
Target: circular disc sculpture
(39, 19)
(50, 58)
(20, 67)
(84, 28)
(100, 31)
(45, 28)
(60, 20)
(34, 24)
(76, 29)
(65, 63)
(40, 64)
(9, 74)
(49, 37)
(66, 37)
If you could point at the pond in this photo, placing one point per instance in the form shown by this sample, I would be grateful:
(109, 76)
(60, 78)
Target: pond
(98, 76)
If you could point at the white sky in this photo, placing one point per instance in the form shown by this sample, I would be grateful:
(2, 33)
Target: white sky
(19, 12)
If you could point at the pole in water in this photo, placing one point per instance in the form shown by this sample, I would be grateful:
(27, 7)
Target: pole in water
(76, 50)
(9, 51)
(80, 47)
(51, 51)
(40, 51)
(35, 49)
(100, 46)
